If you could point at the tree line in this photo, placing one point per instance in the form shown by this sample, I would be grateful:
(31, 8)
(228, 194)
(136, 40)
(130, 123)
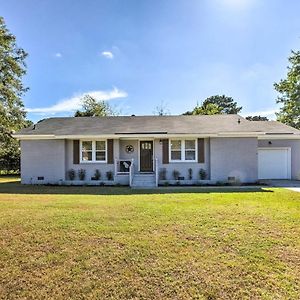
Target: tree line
(13, 115)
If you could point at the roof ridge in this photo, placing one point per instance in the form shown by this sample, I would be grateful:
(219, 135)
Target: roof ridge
(145, 116)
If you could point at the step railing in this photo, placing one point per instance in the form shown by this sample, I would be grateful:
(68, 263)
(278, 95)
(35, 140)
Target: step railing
(131, 172)
(156, 172)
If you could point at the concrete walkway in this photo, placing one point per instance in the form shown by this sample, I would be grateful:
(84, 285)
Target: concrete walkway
(293, 185)
(295, 189)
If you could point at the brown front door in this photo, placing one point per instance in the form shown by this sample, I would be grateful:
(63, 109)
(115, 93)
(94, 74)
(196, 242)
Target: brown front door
(146, 156)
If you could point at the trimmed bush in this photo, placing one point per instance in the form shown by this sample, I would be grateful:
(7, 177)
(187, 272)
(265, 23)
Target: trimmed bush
(81, 174)
(97, 175)
(202, 174)
(176, 174)
(71, 174)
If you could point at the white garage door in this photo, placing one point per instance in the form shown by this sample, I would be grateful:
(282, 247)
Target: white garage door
(274, 163)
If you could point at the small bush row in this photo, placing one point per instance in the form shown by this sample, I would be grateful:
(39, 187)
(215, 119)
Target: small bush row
(81, 174)
(202, 175)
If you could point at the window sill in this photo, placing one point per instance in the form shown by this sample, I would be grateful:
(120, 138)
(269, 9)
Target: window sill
(183, 161)
(93, 162)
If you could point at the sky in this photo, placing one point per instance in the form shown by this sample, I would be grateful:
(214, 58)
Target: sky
(137, 54)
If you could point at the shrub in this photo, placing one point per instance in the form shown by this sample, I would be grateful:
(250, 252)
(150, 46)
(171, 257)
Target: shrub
(71, 174)
(176, 174)
(163, 174)
(81, 174)
(190, 171)
(97, 174)
(202, 174)
(109, 175)
(166, 183)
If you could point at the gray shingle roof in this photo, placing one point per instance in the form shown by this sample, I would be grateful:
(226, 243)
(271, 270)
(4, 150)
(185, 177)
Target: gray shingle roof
(154, 125)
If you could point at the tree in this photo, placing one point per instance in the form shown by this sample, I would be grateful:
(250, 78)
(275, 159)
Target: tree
(289, 90)
(162, 109)
(205, 109)
(12, 114)
(257, 118)
(93, 108)
(216, 105)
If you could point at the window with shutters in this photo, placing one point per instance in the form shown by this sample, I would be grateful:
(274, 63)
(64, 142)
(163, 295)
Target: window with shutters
(190, 150)
(93, 151)
(183, 150)
(100, 151)
(176, 150)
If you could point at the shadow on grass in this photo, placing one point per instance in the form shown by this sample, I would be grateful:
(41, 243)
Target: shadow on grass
(16, 187)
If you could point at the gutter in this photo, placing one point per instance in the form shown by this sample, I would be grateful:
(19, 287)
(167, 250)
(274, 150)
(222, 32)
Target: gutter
(260, 136)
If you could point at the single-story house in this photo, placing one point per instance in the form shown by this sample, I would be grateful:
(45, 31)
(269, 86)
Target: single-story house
(152, 150)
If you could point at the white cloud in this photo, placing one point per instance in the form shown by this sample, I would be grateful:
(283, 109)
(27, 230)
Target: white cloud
(74, 103)
(58, 55)
(107, 54)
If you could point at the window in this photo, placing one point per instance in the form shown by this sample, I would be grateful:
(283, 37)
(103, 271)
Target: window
(183, 150)
(93, 151)
(190, 150)
(87, 151)
(175, 149)
(100, 151)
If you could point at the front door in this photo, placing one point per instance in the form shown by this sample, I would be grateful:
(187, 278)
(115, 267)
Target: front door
(146, 156)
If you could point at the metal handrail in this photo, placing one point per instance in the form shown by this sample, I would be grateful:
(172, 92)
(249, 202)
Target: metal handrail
(131, 172)
(156, 172)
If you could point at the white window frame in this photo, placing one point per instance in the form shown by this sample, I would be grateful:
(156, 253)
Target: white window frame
(183, 150)
(93, 152)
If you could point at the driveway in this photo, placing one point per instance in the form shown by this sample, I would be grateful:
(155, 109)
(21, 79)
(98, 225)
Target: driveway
(293, 185)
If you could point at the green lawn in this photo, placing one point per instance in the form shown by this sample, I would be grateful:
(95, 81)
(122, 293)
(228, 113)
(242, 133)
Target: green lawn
(114, 243)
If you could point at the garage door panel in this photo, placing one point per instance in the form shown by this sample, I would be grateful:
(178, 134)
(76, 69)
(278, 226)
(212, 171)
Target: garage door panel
(274, 163)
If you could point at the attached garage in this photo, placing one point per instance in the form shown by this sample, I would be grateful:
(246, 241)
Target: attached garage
(274, 163)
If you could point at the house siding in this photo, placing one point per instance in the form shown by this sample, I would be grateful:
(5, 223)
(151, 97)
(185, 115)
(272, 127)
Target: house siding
(183, 167)
(224, 157)
(295, 153)
(90, 168)
(128, 156)
(233, 157)
(42, 158)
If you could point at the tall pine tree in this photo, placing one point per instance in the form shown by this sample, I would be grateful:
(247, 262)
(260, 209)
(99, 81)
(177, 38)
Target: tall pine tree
(289, 90)
(12, 114)
(218, 104)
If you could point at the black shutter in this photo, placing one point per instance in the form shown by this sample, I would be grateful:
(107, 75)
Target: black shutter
(76, 152)
(201, 157)
(165, 151)
(110, 151)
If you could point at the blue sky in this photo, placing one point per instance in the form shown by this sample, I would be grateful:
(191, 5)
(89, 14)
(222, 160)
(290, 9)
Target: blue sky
(137, 53)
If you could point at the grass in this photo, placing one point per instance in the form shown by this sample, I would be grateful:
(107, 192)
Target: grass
(115, 243)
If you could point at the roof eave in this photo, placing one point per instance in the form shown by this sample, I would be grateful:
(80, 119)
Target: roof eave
(259, 135)
(34, 136)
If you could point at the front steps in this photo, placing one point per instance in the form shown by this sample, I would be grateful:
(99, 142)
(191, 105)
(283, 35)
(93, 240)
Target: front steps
(143, 181)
